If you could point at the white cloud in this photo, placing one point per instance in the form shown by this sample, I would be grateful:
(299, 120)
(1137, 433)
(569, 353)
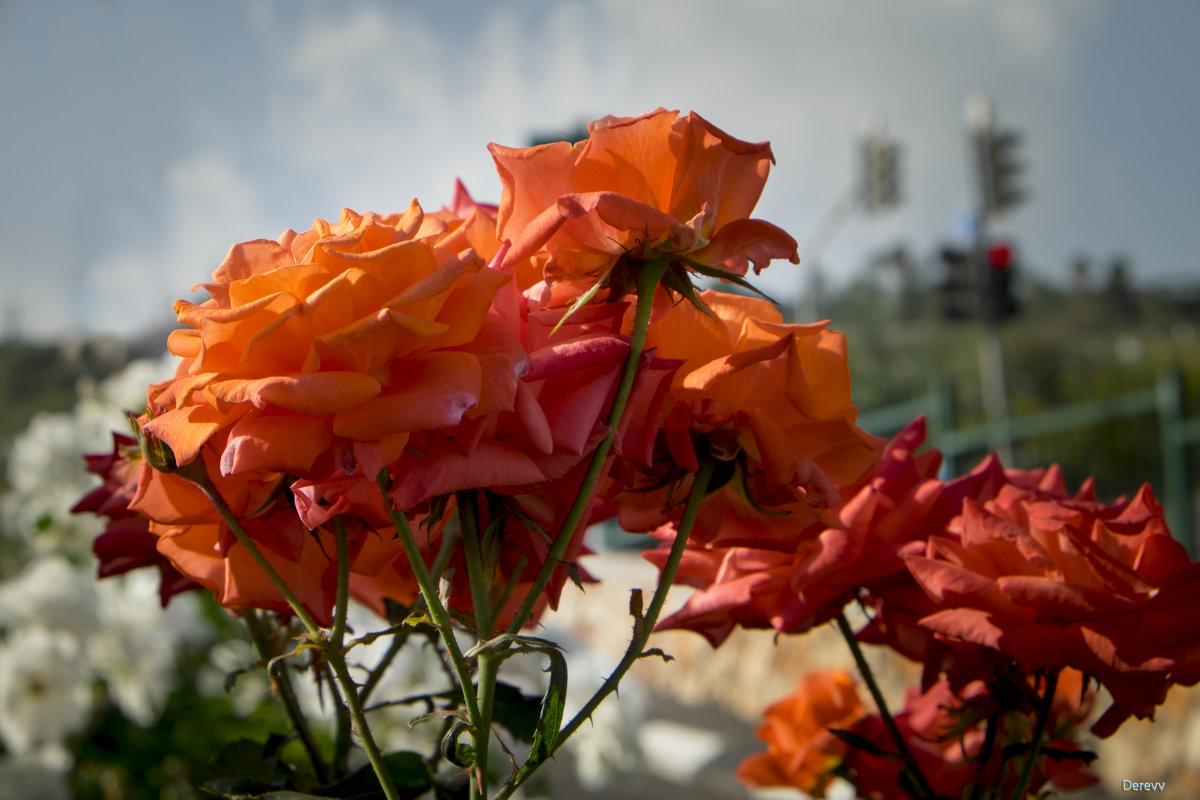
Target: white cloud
(369, 105)
(207, 204)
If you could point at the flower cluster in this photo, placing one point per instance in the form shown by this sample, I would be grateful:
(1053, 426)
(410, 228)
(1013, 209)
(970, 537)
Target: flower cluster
(994, 577)
(426, 410)
(70, 649)
(956, 739)
(387, 347)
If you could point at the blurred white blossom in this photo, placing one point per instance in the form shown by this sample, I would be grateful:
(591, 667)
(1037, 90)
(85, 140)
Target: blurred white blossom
(46, 472)
(45, 689)
(52, 593)
(134, 647)
(63, 635)
(217, 677)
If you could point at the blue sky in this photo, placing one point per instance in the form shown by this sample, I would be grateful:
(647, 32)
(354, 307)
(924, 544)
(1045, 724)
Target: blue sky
(143, 138)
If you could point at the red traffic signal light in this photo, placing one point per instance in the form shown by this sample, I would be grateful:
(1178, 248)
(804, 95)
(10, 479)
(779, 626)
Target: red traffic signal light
(999, 255)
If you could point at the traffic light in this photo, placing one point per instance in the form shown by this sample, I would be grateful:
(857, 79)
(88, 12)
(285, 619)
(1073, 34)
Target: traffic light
(999, 170)
(998, 300)
(881, 173)
(959, 298)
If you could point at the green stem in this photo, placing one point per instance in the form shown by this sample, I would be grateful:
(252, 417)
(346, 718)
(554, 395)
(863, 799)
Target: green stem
(488, 670)
(642, 627)
(647, 278)
(468, 519)
(335, 652)
(350, 696)
(889, 722)
(437, 611)
(342, 602)
(341, 742)
(1039, 733)
(376, 674)
(488, 666)
(245, 541)
(645, 627)
(287, 694)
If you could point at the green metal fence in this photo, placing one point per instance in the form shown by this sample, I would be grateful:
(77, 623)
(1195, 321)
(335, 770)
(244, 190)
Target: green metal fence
(1123, 441)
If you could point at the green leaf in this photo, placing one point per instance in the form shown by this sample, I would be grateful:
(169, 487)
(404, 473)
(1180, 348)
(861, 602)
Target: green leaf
(516, 711)
(458, 754)
(246, 759)
(710, 271)
(582, 300)
(550, 720)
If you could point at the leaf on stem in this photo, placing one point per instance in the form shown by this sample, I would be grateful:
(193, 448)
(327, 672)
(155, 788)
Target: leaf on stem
(454, 751)
(657, 651)
(516, 711)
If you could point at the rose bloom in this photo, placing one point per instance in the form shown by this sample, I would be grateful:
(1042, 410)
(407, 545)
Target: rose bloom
(1051, 580)
(320, 353)
(648, 186)
(199, 543)
(801, 752)
(796, 585)
(946, 733)
(770, 400)
(127, 542)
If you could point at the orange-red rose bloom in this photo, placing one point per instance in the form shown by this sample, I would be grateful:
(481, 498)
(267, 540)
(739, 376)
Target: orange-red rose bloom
(795, 584)
(127, 542)
(772, 400)
(1052, 581)
(801, 752)
(323, 351)
(653, 185)
(946, 732)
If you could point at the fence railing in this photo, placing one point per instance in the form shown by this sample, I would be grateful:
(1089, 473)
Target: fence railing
(1164, 402)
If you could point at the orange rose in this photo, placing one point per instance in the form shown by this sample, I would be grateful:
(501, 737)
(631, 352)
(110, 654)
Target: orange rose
(770, 399)
(197, 542)
(353, 334)
(801, 752)
(653, 185)
(796, 584)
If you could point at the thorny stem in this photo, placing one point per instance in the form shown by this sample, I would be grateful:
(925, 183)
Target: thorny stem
(645, 626)
(245, 541)
(350, 696)
(336, 654)
(1039, 733)
(648, 278)
(332, 649)
(488, 666)
(277, 672)
(889, 722)
(437, 611)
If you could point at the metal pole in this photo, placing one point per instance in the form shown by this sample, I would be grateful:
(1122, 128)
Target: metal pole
(990, 347)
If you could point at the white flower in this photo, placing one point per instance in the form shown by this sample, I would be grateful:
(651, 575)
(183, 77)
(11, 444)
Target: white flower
(46, 471)
(249, 687)
(51, 593)
(134, 647)
(47, 475)
(45, 689)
